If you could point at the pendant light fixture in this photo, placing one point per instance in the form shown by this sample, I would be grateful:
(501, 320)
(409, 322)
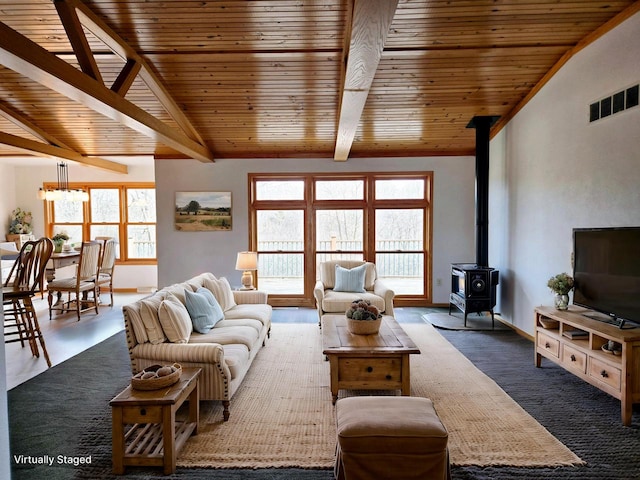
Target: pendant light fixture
(63, 192)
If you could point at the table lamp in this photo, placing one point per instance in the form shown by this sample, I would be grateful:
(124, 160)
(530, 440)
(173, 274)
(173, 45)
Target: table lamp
(247, 262)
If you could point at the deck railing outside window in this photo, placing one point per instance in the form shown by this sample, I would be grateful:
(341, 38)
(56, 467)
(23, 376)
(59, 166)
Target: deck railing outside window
(394, 257)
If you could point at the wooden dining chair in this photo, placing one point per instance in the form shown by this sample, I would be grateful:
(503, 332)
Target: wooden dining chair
(24, 281)
(107, 265)
(83, 284)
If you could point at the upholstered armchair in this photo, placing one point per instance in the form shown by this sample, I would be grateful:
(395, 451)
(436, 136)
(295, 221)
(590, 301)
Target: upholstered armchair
(343, 281)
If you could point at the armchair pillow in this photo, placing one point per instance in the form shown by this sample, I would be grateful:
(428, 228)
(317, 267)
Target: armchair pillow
(175, 319)
(203, 308)
(350, 280)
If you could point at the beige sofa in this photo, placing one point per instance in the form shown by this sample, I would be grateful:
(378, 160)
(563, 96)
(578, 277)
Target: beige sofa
(224, 353)
(328, 300)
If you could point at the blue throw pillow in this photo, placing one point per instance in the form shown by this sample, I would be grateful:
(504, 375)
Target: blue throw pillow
(350, 280)
(203, 308)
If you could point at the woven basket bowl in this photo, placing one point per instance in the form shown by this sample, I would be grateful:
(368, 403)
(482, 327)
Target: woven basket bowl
(363, 327)
(155, 383)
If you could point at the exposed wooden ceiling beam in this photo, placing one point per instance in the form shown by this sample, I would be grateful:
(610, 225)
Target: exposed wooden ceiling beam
(28, 126)
(78, 39)
(118, 46)
(369, 29)
(34, 147)
(29, 59)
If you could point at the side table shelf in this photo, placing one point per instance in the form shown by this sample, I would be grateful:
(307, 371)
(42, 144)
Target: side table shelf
(144, 427)
(575, 342)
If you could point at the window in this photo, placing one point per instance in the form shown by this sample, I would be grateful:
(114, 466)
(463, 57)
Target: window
(298, 221)
(125, 212)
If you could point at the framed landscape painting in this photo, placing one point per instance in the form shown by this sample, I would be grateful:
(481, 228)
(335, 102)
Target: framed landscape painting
(203, 211)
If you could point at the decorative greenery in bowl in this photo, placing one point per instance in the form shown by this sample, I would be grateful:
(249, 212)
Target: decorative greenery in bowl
(363, 310)
(561, 284)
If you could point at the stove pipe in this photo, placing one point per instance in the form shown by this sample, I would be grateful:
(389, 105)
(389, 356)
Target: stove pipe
(482, 124)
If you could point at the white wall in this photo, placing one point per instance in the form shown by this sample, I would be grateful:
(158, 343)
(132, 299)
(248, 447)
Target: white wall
(552, 171)
(185, 254)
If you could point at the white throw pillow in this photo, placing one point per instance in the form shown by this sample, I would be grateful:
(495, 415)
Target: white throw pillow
(175, 319)
(149, 315)
(222, 291)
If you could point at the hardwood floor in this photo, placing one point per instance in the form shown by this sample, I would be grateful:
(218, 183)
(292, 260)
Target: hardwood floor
(64, 336)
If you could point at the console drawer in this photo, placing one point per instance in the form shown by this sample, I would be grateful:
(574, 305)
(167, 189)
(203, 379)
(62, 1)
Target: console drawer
(548, 344)
(574, 359)
(370, 369)
(605, 373)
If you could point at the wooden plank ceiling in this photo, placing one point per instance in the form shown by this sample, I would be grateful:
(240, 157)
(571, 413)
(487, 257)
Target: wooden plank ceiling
(332, 79)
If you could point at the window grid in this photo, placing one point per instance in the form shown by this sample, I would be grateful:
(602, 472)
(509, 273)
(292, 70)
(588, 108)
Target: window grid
(125, 252)
(315, 250)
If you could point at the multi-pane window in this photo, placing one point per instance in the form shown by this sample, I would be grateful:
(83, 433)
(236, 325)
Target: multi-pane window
(126, 213)
(298, 221)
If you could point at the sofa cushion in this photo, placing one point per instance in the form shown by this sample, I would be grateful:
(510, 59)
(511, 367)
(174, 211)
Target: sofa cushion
(350, 279)
(203, 309)
(245, 322)
(149, 314)
(198, 281)
(175, 319)
(334, 302)
(222, 291)
(240, 334)
(178, 290)
(257, 311)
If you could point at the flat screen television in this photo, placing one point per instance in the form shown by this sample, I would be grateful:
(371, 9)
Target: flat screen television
(606, 270)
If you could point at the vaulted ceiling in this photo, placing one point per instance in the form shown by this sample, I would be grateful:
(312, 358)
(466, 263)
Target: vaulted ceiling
(331, 79)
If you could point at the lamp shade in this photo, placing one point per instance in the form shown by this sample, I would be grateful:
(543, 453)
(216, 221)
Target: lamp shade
(247, 261)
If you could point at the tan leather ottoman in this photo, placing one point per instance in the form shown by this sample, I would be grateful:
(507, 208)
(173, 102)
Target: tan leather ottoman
(390, 438)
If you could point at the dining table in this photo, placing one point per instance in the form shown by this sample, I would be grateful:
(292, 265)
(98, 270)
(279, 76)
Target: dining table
(59, 260)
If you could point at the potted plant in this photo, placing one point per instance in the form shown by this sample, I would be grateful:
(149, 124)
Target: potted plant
(58, 240)
(363, 318)
(561, 284)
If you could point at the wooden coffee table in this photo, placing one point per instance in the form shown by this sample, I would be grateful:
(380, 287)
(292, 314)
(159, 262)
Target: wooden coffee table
(367, 362)
(154, 437)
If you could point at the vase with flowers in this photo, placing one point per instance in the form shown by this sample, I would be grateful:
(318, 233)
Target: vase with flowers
(363, 318)
(561, 284)
(21, 222)
(58, 241)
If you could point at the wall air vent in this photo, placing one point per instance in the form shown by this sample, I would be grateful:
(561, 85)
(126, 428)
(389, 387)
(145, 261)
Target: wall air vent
(613, 104)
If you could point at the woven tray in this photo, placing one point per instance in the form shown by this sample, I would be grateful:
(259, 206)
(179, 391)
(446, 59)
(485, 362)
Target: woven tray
(156, 382)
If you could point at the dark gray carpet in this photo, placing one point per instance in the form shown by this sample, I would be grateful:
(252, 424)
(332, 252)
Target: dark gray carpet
(65, 411)
(455, 321)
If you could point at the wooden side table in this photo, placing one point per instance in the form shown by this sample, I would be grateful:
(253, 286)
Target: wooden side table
(154, 437)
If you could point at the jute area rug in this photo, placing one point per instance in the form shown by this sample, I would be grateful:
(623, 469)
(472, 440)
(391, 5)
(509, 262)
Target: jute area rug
(282, 414)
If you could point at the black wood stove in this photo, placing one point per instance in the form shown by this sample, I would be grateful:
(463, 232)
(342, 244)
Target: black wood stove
(473, 285)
